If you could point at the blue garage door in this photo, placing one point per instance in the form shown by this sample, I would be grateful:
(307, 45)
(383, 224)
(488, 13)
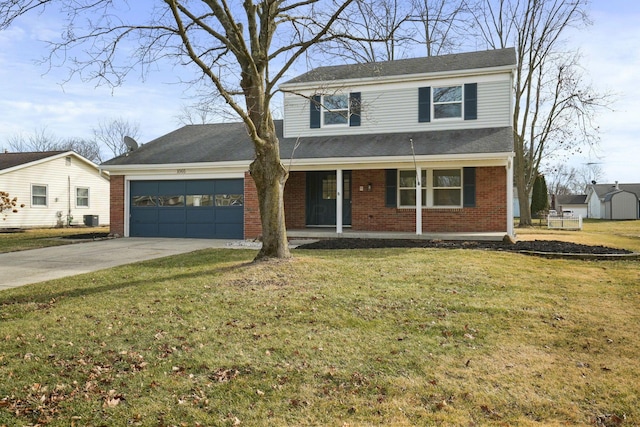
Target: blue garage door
(211, 208)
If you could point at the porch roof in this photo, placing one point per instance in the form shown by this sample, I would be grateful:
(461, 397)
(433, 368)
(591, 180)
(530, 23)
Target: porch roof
(228, 142)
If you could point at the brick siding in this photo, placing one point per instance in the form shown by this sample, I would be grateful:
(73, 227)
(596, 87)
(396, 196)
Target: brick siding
(252, 224)
(369, 213)
(116, 223)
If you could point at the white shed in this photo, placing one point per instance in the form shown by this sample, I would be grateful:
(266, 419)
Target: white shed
(57, 188)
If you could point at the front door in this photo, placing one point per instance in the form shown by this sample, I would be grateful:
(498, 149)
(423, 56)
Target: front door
(321, 198)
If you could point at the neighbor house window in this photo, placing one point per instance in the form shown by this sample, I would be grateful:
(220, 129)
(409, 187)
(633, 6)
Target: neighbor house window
(407, 188)
(447, 187)
(38, 195)
(335, 109)
(82, 197)
(447, 102)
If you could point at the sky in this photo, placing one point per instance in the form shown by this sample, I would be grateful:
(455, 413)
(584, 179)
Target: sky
(33, 98)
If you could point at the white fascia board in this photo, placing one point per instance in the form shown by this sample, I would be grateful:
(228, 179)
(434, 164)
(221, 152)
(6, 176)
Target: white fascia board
(186, 169)
(405, 78)
(48, 159)
(444, 160)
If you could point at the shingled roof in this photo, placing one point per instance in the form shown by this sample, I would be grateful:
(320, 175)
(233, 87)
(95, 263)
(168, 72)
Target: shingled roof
(10, 160)
(403, 67)
(229, 142)
(603, 190)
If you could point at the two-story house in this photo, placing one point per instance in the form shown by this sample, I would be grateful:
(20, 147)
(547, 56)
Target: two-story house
(421, 146)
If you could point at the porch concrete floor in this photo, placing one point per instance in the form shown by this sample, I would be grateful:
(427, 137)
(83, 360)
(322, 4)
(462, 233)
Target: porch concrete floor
(330, 233)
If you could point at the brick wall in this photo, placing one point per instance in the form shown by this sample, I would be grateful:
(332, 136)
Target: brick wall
(252, 223)
(295, 200)
(369, 213)
(116, 213)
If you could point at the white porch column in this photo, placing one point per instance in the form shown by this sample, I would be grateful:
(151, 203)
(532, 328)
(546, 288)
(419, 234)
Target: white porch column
(419, 200)
(339, 191)
(510, 197)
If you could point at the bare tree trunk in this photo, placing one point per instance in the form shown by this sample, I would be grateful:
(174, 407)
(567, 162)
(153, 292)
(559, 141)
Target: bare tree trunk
(270, 176)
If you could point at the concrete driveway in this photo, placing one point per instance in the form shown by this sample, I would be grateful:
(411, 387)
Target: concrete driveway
(37, 265)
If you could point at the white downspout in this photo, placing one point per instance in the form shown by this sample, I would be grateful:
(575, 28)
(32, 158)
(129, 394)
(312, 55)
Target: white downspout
(339, 207)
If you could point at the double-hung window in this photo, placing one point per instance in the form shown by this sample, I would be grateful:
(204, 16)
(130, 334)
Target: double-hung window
(447, 102)
(82, 197)
(38, 195)
(447, 187)
(335, 109)
(441, 188)
(407, 188)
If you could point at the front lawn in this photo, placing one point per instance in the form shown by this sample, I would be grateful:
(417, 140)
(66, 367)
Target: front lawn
(331, 338)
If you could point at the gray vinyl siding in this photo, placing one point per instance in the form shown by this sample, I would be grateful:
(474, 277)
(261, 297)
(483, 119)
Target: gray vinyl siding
(385, 111)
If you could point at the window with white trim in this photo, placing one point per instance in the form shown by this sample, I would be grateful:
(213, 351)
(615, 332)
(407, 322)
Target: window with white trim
(335, 109)
(82, 197)
(447, 102)
(407, 188)
(440, 188)
(38, 195)
(446, 187)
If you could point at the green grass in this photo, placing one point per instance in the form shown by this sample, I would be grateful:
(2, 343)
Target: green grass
(358, 338)
(41, 238)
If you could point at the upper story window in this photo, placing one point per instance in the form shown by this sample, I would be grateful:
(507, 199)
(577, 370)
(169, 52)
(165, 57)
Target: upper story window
(38, 195)
(447, 102)
(335, 110)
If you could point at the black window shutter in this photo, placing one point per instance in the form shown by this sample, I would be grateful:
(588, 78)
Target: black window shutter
(424, 104)
(391, 188)
(354, 109)
(471, 101)
(469, 189)
(314, 111)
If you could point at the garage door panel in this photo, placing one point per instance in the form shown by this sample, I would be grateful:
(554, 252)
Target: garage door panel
(201, 187)
(199, 231)
(145, 229)
(228, 231)
(171, 230)
(200, 216)
(144, 188)
(171, 187)
(229, 186)
(229, 214)
(172, 216)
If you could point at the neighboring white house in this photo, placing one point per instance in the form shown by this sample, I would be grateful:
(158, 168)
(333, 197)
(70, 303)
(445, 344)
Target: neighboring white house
(614, 201)
(57, 188)
(575, 203)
